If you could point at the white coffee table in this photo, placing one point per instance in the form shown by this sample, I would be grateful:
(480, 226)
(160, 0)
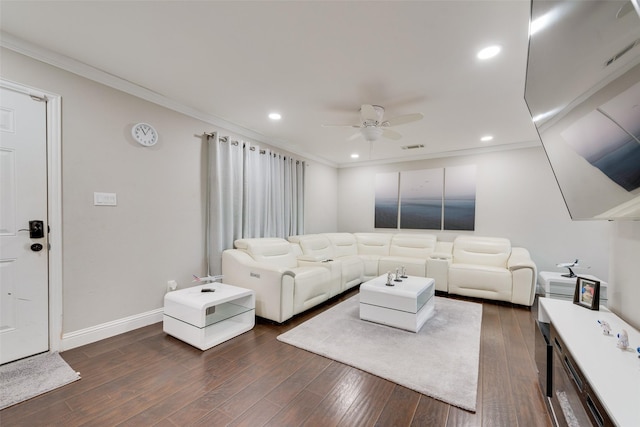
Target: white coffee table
(406, 305)
(206, 319)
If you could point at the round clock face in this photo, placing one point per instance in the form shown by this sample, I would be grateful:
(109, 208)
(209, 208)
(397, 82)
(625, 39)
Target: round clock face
(144, 134)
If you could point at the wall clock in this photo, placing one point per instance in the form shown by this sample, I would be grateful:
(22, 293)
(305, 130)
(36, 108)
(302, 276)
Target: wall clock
(144, 134)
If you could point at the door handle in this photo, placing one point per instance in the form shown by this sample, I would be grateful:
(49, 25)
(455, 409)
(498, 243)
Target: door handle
(36, 229)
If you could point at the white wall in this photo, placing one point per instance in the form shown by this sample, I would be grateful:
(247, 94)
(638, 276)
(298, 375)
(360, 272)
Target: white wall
(321, 209)
(624, 297)
(517, 198)
(117, 260)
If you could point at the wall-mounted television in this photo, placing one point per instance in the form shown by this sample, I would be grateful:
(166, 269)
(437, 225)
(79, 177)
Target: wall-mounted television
(583, 93)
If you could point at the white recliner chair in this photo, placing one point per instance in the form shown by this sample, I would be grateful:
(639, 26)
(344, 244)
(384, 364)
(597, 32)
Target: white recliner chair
(488, 267)
(346, 269)
(284, 286)
(345, 248)
(410, 251)
(372, 247)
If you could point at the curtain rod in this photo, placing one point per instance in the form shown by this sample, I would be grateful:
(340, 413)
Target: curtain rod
(252, 148)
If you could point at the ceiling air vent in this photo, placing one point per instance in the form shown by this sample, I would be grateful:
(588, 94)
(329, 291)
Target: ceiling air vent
(412, 147)
(622, 52)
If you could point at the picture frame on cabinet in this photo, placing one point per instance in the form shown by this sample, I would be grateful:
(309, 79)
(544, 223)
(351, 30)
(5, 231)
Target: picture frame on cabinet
(587, 293)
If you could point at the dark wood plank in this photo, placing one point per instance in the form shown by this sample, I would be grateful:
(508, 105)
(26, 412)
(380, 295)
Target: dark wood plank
(340, 397)
(296, 411)
(369, 403)
(498, 408)
(258, 415)
(524, 381)
(430, 412)
(286, 391)
(400, 408)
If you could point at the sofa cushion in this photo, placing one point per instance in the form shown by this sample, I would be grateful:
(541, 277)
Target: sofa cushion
(316, 245)
(480, 281)
(312, 286)
(483, 251)
(272, 250)
(373, 243)
(343, 244)
(412, 245)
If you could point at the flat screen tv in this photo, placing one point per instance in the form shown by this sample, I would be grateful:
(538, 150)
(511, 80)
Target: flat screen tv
(583, 93)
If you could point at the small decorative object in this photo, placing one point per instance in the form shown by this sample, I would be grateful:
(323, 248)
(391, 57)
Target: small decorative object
(623, 340)
(389, 278)
(404, 273)
(638, 350)
(397, 279)
(587, 293)
(206, 279)
(606, 329)
(569, 265)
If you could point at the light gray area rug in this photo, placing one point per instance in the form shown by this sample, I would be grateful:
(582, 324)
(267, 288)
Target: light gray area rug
(30, 377)
(440, 361)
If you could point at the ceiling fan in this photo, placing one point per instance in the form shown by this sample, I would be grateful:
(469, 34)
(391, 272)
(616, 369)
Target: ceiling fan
(372, 124)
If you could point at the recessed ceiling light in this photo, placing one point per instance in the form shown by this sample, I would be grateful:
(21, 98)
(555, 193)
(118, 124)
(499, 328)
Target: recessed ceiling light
(355, 155)
(275, 116)
(489, 52)
(486, 138)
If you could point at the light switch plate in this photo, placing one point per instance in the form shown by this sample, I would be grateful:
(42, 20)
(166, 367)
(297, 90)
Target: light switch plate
(105, 199)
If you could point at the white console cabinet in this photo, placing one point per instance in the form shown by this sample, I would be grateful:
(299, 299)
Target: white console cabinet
(595, 377)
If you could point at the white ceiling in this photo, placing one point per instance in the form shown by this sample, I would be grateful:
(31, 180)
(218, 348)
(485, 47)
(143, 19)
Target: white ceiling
(314, 62)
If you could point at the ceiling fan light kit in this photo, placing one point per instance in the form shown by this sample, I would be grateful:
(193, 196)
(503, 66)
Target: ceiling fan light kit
(371, 133)
(372, 126)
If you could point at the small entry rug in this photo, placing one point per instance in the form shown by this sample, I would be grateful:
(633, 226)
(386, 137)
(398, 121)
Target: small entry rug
(30, 377)
(440, 361)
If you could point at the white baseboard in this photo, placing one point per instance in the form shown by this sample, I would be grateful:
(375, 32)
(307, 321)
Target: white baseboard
(106, 330)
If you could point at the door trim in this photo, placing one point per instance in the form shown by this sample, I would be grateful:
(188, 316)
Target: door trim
(54, 205)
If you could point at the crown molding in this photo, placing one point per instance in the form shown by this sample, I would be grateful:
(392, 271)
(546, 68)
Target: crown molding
(81, 69)
(443, 154)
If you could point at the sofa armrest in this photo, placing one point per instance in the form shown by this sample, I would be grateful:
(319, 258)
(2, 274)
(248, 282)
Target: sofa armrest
(273, 285)
(523, 271)
(438, 265)
(441, 255)
(438, 270)
(520, 258)
(334, 267)
(312, 258)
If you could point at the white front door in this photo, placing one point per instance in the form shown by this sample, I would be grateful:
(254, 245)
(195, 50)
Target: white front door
(24, 315)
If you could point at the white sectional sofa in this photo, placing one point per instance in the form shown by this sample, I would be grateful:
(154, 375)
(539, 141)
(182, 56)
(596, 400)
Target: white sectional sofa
(290, 276)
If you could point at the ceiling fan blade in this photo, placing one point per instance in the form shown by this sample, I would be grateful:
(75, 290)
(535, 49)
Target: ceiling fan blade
(354, 136)
(367, 112)
(391, 134)
(406, 118)
(339, 126)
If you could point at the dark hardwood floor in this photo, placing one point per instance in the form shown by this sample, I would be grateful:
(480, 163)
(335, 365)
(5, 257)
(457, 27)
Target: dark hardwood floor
(146, 377)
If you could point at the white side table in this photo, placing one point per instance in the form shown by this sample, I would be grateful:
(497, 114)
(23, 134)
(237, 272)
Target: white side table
(555, 285)
(206, 319)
